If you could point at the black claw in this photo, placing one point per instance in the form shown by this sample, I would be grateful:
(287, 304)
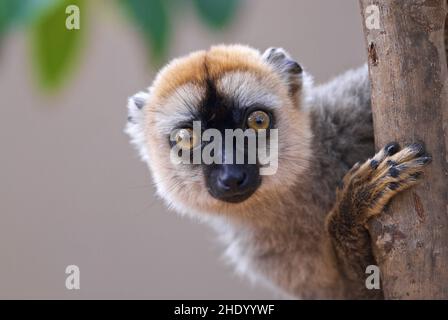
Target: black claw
(419, 148)
(394, 185)
(425, 159)
(374, 164)
(392, 148)
(391, 163)
(394, 172)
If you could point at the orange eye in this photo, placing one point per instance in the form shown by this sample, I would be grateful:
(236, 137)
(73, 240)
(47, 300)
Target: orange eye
(186, 139)
(258, 120)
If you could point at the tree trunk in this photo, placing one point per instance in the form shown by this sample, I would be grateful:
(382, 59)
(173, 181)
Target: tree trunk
(408, 73)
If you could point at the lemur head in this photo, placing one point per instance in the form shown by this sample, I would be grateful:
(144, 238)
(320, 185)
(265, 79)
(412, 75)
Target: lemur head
(226, 87)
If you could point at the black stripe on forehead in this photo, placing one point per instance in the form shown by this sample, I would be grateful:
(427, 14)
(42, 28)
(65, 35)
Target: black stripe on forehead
(217, 111)
(213, 103)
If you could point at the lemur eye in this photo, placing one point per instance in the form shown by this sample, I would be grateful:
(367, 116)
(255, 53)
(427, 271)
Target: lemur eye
(186, 139)
(258, 120)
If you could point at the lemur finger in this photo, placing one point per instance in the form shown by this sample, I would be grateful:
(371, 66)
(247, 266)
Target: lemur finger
(388, 165)
(410, 167)
(397, 178)
(388, 150)
(400, 177)
(368, 168)
(410, 152)
(406, 154)
(389, 189)
(409, 160)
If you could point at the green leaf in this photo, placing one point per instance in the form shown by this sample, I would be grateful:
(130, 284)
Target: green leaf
(10, 11)
(217, 13)
(33, 9)
(54, 47)
(151, 18)
(13, 12)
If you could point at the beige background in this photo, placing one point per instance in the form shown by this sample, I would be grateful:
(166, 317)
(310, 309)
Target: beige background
(72, 190)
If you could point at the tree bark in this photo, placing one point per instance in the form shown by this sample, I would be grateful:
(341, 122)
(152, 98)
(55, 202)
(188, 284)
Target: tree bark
(408, 73)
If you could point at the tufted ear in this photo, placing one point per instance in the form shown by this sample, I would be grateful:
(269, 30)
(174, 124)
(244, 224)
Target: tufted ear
(135, 126)
(290, 71)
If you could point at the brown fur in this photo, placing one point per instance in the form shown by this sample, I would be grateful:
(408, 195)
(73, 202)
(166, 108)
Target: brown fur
(198, 66)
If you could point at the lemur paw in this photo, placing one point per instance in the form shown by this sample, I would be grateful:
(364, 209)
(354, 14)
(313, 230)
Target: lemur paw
(370, 186)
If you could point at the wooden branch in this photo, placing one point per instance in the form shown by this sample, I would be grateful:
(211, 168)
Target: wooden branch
(408, 72)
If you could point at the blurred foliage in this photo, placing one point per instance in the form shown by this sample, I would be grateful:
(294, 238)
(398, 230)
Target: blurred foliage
(151, 18)
(17, 12)
(55, 48)
(9, 10)
(216, 13)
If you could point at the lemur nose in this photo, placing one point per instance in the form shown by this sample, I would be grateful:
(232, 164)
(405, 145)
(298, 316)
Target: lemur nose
(232, 178)
(233, 182)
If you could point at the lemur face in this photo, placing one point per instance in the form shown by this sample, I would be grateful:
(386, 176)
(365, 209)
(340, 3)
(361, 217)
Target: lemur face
(227, 87)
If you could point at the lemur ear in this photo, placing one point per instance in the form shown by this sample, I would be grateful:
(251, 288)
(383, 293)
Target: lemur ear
(135, 126)
(136, 103)
(290, 71)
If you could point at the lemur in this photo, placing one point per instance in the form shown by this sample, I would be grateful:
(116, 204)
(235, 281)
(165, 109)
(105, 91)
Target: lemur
(303, 230)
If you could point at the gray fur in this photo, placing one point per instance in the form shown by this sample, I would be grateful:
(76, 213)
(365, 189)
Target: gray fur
(342, 126)
(342, 118)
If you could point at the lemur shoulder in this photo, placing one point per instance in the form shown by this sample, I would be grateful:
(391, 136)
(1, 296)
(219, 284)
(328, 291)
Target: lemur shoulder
(301, 231)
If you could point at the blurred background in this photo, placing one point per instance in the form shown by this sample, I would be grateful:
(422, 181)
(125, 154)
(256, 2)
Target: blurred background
(72, 190)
